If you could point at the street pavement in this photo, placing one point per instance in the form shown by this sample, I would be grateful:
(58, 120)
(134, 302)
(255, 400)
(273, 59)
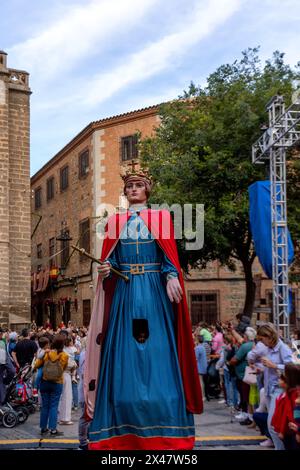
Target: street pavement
(215, 429)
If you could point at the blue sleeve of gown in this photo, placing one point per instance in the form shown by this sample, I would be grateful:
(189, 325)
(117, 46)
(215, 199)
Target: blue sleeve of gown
(167, 268)
(113, 262)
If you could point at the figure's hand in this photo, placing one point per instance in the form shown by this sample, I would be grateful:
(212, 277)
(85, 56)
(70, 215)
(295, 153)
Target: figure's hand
(174, 290)
(104, 270)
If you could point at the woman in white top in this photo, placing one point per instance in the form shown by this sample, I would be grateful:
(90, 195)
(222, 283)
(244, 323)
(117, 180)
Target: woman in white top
(65, 404)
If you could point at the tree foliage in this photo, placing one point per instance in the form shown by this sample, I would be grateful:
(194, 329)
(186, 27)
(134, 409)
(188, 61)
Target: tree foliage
(201, 153)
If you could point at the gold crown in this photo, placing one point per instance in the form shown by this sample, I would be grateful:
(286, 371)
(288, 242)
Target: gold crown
(133, 173)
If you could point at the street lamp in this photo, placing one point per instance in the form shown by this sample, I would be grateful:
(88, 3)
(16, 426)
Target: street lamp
(65, 238)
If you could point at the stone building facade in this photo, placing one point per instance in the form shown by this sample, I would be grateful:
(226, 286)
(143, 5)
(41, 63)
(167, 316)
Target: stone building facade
(15, 221)
(71, 193)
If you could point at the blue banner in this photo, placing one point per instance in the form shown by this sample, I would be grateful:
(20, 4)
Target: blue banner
(261, 225)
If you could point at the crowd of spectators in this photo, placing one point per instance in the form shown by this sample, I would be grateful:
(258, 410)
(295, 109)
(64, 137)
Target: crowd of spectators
(60, 394)
(258, 374)
(251, 370)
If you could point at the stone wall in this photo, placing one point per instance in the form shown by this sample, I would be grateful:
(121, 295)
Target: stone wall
(4, 194)
(64, 211)
(15, 227)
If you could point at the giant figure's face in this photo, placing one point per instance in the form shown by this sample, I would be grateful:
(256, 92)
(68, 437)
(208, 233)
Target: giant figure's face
(135, 191)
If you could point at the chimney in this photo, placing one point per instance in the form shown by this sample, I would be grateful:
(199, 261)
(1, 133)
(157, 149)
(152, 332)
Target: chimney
(3, 60)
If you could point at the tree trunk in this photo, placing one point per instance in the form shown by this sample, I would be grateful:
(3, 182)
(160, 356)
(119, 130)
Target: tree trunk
(250, 288)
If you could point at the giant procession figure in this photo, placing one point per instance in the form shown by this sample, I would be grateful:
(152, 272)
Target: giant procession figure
(141, 382)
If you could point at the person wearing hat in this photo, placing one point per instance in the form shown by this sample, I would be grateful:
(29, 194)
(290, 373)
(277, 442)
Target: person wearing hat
(147, 388)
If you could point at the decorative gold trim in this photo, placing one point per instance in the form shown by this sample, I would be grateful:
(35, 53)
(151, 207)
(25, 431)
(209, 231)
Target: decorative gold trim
(142, 437)
(141, 264)
(149, 271)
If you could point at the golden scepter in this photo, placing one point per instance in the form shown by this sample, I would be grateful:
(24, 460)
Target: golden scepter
(85, 253)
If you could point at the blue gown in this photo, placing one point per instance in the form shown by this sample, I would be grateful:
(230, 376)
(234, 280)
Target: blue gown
(140, 391)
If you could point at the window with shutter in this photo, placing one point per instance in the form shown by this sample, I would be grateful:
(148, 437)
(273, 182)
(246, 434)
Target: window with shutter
(64, 178)
(84, 233)
(39, 251)
(129, 147)
(83, 164)
(50, 188)
(86, 312)
(204, 307)
(38, 198)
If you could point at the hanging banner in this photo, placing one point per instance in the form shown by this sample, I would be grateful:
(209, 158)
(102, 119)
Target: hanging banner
(261, 225)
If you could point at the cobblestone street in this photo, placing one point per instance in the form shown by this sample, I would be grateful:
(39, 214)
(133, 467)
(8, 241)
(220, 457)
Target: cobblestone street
(214, 430)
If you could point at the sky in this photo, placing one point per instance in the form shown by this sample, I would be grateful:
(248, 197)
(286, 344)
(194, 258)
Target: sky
(91, 59)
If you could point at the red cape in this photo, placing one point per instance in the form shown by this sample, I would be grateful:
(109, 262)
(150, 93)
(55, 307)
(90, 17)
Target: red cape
(160, 225)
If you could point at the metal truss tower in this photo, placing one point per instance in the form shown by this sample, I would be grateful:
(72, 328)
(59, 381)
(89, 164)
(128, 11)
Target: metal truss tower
(283, 133)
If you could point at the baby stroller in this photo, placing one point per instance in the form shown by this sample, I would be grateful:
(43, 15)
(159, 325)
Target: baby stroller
(8, 417)
(213, 380)
(19, 394)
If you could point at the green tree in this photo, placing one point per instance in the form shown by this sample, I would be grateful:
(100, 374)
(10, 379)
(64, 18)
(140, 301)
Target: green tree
(201, 153)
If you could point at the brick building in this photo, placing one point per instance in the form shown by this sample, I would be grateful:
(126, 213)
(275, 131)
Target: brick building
(68, 193)
(218, 293)
(15, 224)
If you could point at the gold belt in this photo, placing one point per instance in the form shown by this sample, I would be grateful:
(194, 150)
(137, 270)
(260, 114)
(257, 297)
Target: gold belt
(140, 268)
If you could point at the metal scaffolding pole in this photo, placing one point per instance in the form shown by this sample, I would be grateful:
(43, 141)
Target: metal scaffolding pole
(279, 240)
(283, 133)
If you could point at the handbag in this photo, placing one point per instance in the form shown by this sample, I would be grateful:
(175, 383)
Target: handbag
(250, 376)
